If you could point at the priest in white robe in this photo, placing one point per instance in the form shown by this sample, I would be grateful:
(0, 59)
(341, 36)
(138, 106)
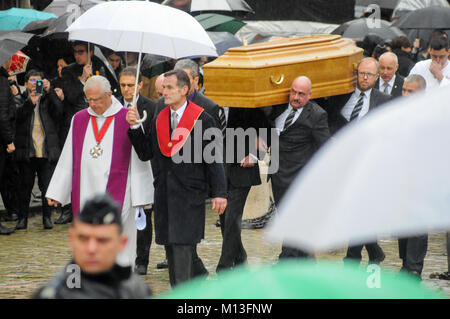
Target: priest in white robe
(98, 157)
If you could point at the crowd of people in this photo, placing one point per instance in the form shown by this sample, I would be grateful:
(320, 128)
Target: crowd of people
(85, 133)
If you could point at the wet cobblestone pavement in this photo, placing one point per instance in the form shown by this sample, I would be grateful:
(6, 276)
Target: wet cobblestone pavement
(29, 258)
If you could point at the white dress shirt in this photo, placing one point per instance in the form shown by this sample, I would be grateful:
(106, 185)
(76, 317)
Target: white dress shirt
(281, 119)
(390, 87)
(347, 110)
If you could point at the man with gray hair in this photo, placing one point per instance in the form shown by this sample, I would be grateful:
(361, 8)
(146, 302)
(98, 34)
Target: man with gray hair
(413, 83)
(389, 81)
(98, 157)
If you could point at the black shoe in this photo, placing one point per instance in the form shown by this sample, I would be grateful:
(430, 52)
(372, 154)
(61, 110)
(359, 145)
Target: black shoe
(140, 269)
(378, 260)
(162, 265)
(5, 230)
(47, 222)
(66, 217)
(22, 223)
(10, 217)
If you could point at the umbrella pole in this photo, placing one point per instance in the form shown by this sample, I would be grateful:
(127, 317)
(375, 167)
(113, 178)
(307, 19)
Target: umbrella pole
(137, 81)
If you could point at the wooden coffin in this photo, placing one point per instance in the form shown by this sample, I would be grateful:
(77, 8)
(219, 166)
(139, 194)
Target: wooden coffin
(261, 74)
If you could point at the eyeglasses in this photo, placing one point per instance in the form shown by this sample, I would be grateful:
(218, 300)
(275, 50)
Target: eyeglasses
(364, 74)
(78, 51)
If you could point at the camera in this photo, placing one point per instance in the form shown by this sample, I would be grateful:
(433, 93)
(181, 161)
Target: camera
(39, 87)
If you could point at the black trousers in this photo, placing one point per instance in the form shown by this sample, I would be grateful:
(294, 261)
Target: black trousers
(412, 251)
(10, 185)
(233, 252)
(144, 240)
(286, 251)
(28, 170)
(375, 252)
(180, 261)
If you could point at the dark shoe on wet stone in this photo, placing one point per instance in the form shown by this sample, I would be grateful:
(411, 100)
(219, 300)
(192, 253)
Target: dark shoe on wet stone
(47, 223)
(10, 217)
(162, 265)
(22, 223)
(66, 217)
(140, 269)
(5, 230)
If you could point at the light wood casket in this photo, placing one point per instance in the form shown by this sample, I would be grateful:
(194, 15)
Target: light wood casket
(261, 74)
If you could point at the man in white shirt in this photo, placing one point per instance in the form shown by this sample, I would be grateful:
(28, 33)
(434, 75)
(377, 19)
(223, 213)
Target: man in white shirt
(435, 71)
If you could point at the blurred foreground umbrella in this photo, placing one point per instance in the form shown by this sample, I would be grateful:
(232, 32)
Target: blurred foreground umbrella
(406, 6)
(73, 7)
(16, 19)
(209, 5)
(426, 18)
(19, 63)
(388, 174)
(219, 23)
(223, 41)
(359, 28)
(11, 42)
(302, 279)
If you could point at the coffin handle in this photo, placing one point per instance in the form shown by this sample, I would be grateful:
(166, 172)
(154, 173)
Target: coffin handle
(272, 79)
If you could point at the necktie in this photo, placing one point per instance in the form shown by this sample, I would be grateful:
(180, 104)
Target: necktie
(289, 119)
(386, 88)
(174, 121)
(358, 107)
(223, 121)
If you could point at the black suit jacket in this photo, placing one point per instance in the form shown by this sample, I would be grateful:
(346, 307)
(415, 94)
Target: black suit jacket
(333, 105)
(180, 188)
(398, 86)
(298, 143)
(143, 103)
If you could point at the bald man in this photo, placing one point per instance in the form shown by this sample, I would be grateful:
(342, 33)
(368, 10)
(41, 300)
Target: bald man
(302, 126)
(159, 85)
(389, 82)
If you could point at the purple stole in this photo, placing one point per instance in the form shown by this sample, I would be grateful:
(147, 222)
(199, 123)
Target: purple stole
(120, 161)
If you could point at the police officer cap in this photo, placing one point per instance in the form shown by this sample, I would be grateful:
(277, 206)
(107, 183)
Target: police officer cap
(101, 210)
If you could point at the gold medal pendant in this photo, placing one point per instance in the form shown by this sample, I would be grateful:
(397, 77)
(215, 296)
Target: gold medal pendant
(96, 151)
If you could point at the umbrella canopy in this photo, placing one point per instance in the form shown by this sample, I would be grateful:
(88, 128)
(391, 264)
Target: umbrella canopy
(208, 5)
(384, 4)
(223, 41)
(19, 63)
(53, 27)
(140, 26)
(298, 279)
(426, 18)
(11, 42)
(74, 7)
(16, 19)
(405, 6)
(219, 23)
(387, 174)
(359, 28)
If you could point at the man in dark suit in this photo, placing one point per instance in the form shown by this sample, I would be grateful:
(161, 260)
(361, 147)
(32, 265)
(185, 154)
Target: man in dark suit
(180, 177)
(127, 82)
(389, 81)
(303, 127)
(352, 107)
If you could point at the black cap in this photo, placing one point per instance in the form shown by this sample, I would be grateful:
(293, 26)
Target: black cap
(101, 210)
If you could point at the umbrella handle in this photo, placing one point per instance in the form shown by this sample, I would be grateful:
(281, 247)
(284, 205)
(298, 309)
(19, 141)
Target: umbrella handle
(143, 118)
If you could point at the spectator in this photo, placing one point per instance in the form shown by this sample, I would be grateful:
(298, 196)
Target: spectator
(401, 46)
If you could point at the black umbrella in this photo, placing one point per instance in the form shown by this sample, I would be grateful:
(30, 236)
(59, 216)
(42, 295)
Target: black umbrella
(11, 42)
(359, 28)
(54, 27)
(384, 4)
(209, 5)
(74, 7)
(426, 18)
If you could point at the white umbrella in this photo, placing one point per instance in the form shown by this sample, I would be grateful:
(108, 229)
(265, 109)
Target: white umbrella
(388, 174)
(144, 27)
(209, 5)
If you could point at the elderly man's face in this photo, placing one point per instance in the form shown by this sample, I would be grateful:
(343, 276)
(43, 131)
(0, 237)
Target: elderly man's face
(300, 94)
(410, 88)
(388, 67)
(95, 247)
(367, 75)
(194, 81)
(98, 101)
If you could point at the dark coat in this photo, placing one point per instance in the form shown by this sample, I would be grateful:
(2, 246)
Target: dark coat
(180, 188)
(405, 62)
(50, 112)
(118, 283)
(398, 86)
(143, 103)
(333, 105)
(6, 101)
(298, 143)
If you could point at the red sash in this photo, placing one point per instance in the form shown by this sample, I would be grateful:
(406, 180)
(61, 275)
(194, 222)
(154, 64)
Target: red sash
(168, 146)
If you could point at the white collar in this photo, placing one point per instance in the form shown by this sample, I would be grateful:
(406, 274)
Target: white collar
(366, 93)
(391, 82)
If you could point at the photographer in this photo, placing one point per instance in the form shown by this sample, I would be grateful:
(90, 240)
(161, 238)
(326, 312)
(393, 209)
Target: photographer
(37, 142)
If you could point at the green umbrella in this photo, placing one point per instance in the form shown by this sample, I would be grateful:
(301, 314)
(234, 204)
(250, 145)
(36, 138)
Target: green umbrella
(298, 279)
(16, 19)
(219, 23)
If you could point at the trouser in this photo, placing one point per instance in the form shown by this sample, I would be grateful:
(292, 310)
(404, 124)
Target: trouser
(412, 251)
(375, 252)
(28, 170)
(233, 252)
(286, 251)
(10, 185)
(180, 261)
(144, 240)
(198, 268)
